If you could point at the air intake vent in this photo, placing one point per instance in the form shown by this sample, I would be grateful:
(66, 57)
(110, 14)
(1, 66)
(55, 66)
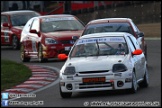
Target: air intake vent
(95, 85)
(91, 72)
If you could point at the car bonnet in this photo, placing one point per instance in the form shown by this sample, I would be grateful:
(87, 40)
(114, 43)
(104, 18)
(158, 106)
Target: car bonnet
(95, 63)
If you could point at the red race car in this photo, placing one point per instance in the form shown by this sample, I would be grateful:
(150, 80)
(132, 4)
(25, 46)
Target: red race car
(47, 36)
(117, 25)
(12, 23)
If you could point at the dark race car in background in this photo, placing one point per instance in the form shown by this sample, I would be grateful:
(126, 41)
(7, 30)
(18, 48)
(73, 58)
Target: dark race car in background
(117, 25)
(47, 36)
(12, 23)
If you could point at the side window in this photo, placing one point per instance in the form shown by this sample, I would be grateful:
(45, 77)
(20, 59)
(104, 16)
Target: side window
(135, 27)
(3, 19)
(35, 25)
(130, 44)
(28, 25)
(135, 42)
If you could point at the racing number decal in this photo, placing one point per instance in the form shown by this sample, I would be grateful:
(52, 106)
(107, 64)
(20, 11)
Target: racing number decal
(6, 37)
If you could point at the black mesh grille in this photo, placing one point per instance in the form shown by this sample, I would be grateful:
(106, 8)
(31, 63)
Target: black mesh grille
(67, 41)
(89, 72)
(95, 85)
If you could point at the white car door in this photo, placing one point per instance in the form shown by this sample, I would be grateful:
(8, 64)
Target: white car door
(33, 37)
(141, 58)
(136, 59)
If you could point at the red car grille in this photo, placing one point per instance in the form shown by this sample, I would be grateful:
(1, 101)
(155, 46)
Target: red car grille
(67, 41)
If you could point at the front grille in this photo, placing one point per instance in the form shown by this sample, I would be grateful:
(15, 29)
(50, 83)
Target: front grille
(63, 52)
(67, 41)
(95, 85)
(91, 72)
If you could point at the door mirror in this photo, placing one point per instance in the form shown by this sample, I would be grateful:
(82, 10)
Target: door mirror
(33, 31)
(75, 38)
(5, 24)
(62, 56)
(141, 34)
(137, 52)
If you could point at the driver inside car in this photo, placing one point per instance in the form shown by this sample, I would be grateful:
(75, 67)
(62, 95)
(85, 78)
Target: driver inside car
(120, 50)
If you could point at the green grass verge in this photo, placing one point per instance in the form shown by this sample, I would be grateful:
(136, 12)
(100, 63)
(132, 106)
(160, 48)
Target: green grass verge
(13, 73)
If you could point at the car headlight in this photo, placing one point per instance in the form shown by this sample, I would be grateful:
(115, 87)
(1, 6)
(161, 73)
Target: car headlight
(50, 41)
(69, 71)
(119, 68)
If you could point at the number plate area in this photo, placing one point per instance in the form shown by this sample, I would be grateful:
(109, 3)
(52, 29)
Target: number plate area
(67, 48)
(97, 82)
(91, 80)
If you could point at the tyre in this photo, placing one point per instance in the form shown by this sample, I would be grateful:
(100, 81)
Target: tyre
(65, 95)
(145, 81)
(15, 42)
(22, 54)
(145, 53)
(40, 54)
(134, 84)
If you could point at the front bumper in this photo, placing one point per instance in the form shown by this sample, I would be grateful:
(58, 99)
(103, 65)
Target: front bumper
(113, 81)
(51, 51)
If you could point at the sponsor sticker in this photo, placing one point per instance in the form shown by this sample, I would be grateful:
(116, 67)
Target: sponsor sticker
(103, 39)
(57, 19)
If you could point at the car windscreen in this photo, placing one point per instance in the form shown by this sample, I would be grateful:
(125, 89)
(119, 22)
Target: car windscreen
(102, 46)
(108, 27)
(58, 24)
(21, 19)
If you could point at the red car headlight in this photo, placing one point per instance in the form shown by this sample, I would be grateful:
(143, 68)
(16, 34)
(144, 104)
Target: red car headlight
(50, 41)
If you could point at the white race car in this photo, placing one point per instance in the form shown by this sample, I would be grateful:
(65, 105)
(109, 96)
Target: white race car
(103, 61)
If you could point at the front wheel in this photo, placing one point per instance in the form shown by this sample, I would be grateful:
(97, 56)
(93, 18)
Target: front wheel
(145, 81)
(40, 54)
(146, 53)
(23, 57)
(134, 84)
(65, 95)
(15, 42)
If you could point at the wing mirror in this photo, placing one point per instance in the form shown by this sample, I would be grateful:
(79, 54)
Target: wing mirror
(5, 24)
(137, 52)
(75, 38)
(62, 56)
(141, 34)
(34, 31)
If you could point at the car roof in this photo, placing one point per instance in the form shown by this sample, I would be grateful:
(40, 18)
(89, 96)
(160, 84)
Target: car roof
(17, 12)
(110, 20)
(105, 34)
(56, 15)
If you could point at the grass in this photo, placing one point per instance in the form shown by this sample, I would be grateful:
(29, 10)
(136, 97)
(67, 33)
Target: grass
(151, 29)
(13, 73)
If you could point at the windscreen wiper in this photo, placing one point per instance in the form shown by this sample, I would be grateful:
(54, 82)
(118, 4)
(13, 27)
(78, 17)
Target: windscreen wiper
(74, 29)
(62, 30)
